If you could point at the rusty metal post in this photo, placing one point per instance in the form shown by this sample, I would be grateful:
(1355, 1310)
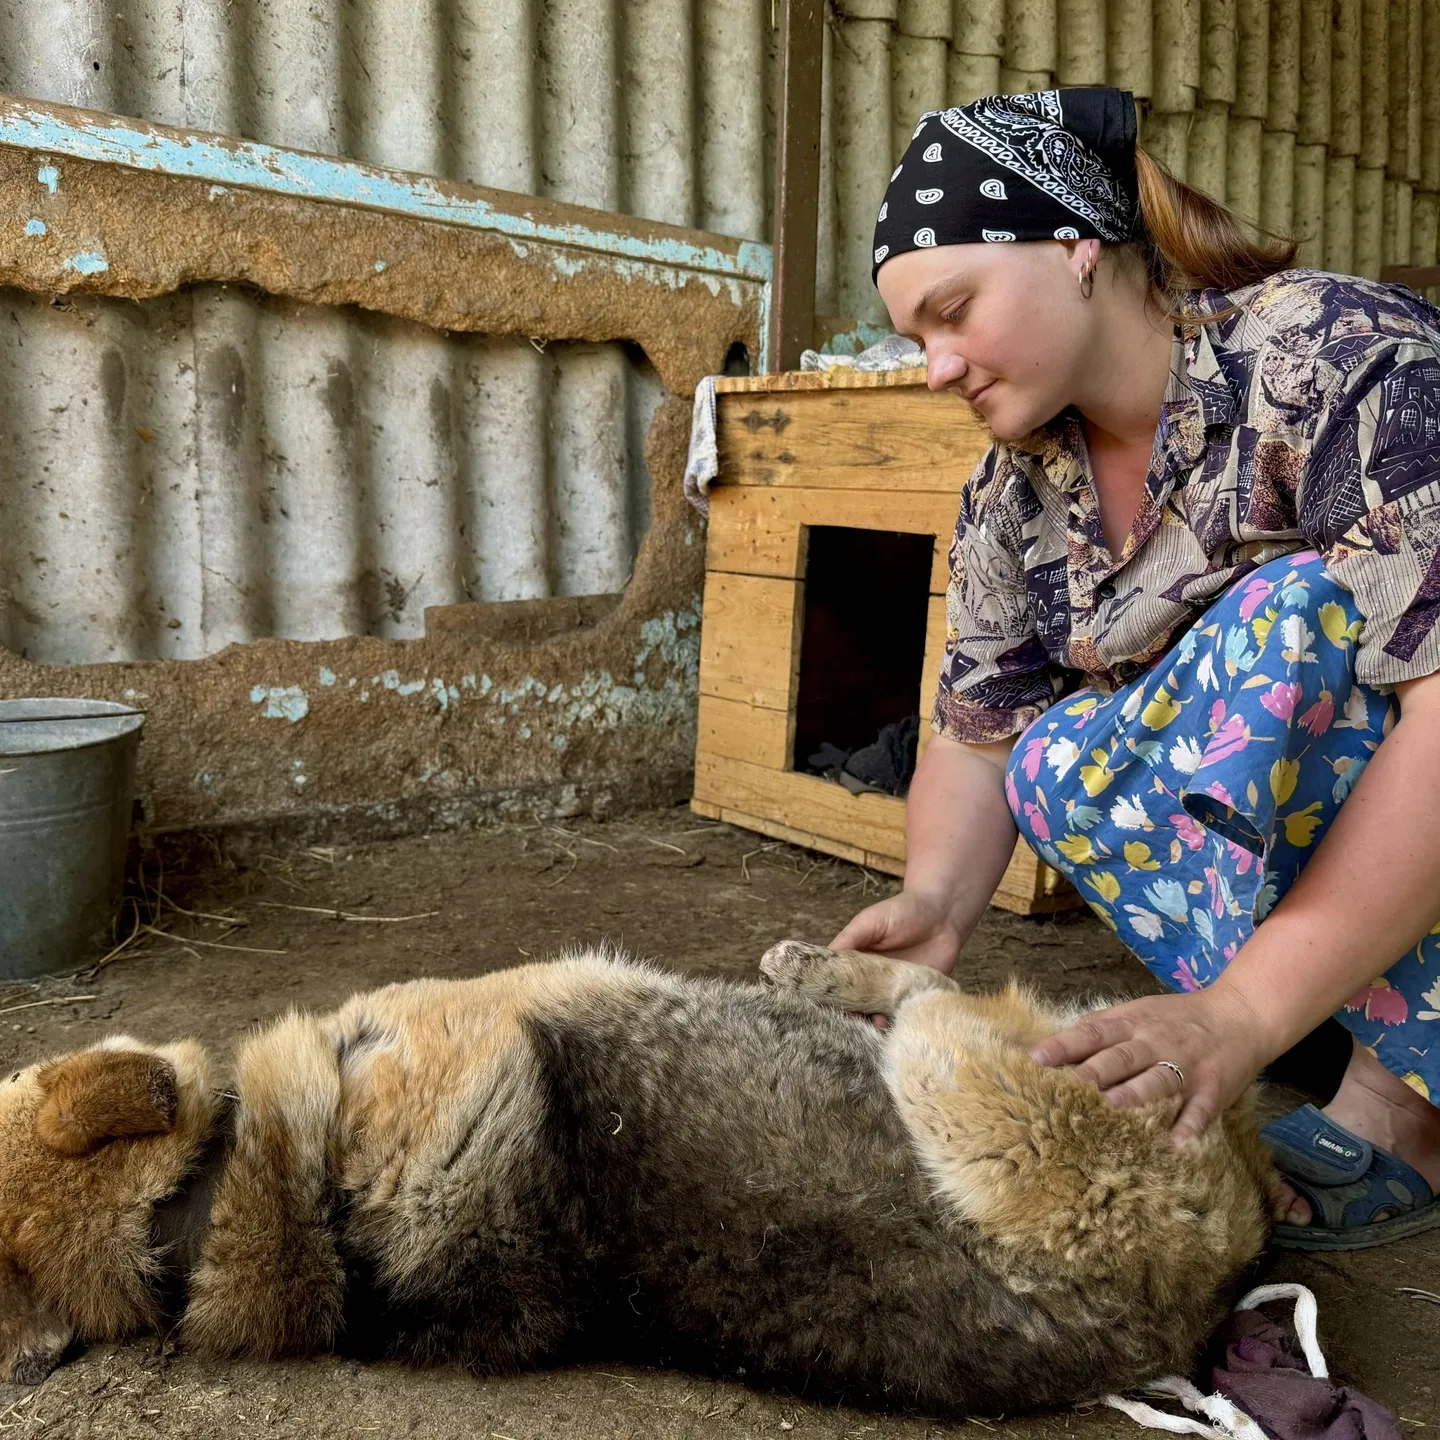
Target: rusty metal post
(797, 181)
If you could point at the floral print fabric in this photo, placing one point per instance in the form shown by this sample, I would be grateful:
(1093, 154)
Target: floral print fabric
(1182, 806)
(1309, 417)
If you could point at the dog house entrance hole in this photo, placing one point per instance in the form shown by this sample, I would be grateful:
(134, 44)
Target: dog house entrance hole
(862, 648)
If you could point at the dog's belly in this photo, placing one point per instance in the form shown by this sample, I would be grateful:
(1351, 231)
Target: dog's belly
(673, 1171)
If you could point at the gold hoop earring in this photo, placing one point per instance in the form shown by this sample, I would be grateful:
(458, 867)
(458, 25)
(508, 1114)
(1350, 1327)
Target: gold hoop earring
(1087, 282)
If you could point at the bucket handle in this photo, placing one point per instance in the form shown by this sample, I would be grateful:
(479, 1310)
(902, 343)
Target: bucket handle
(52, 719)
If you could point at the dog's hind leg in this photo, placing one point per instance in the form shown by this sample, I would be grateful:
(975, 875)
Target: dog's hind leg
(1035, 1156)
(852, 980)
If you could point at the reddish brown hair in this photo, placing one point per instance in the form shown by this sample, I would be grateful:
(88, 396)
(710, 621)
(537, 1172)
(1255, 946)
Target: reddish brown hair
(1192, 242)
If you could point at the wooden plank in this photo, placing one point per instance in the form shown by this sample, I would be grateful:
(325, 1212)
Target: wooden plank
(1417, 277)
(777, 831)
(750, 639)
(874, 823)
(760, 530)
(902, 439)
(746, 732)
(820, 815)
(841, 378)
(797, 181)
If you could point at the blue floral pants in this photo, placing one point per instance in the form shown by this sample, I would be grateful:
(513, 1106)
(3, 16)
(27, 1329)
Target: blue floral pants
(1183, 806)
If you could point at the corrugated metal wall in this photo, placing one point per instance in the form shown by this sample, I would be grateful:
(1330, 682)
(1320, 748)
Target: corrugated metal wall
(1317, 116)
(214, 467)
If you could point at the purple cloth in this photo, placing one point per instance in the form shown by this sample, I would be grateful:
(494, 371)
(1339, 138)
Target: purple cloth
(1264, 1372)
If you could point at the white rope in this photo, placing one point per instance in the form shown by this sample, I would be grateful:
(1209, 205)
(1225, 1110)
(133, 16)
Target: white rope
(1306, 1315)
(1229, 1422)
(1153, 1419)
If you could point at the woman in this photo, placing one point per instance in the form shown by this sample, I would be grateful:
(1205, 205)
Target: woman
(1192, 645)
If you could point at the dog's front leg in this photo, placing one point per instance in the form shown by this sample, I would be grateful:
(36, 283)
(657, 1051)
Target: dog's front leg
(854, 980)
(270, 1280)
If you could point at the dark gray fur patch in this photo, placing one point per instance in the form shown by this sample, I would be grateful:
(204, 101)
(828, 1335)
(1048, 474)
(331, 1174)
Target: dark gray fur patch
(721, 1181)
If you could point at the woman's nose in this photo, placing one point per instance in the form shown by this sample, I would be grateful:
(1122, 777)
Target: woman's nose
(946, 368)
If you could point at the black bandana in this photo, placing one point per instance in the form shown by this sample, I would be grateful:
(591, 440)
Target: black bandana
(1055, 165)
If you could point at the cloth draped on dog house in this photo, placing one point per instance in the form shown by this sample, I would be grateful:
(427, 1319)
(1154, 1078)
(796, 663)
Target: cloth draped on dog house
(826, 568)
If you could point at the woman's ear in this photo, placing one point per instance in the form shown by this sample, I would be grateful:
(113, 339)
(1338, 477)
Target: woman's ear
(99, 1095)
(32, 1338)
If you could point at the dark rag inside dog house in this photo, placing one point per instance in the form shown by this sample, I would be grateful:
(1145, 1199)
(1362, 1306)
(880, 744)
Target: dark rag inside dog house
(557, 824)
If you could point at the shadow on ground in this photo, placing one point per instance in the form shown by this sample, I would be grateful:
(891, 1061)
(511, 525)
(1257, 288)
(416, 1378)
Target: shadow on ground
(701, 897)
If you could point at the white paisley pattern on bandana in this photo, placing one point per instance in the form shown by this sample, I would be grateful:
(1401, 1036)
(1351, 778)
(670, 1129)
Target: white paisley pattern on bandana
(1307, 418)
(1036, 148)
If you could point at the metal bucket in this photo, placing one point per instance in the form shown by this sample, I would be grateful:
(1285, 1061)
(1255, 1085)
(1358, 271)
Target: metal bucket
(67, 774)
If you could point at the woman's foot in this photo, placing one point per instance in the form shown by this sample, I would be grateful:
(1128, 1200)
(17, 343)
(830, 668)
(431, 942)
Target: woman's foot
(1377, 1105)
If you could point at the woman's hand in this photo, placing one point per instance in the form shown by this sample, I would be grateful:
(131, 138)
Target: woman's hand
(1211, 1035)
(908, 926)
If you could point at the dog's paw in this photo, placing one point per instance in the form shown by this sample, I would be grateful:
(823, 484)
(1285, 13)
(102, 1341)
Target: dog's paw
(795, 965)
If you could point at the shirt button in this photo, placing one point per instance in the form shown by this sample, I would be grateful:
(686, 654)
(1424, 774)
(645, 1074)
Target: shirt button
(1106, 591)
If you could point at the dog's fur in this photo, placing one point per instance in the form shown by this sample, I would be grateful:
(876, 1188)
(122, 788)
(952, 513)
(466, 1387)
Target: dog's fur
(592, 1157)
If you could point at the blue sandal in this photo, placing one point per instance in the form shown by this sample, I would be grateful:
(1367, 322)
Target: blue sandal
(1347, 1182)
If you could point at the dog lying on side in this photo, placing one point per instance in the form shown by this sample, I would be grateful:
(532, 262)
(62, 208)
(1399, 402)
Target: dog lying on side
(594, 1158)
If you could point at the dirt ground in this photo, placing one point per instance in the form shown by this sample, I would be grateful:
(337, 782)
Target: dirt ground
(702, 897)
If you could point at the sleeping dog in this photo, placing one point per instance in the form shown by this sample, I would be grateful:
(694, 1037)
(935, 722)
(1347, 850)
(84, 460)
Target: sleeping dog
(595, 1158)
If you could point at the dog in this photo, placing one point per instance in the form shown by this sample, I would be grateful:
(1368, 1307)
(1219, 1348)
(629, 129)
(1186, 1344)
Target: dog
(593, 1158)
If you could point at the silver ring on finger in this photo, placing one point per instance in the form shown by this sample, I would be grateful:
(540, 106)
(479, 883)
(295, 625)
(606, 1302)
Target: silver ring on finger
(1171, 1065)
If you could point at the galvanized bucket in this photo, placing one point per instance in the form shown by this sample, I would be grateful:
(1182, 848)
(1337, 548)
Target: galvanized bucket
(67, 774)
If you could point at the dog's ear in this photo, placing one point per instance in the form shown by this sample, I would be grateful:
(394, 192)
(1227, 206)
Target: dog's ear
(99, 1095)
(33, 1339)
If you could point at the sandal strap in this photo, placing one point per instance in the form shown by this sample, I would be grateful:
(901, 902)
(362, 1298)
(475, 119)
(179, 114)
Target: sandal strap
(1308, 1147)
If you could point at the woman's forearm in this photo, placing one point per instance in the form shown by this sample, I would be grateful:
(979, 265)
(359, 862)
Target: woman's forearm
(1369, 893)
(959, 833)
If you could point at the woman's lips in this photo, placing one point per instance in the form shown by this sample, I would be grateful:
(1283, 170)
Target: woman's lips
(980, 394)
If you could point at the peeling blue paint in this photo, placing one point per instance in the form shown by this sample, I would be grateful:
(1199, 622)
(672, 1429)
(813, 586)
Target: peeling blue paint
(327, 676)
(36, 227)
(390, 680)
(49, 177)
(88, 262)
(319, 177)
(410, 687)
(380, 265)
(282, 702)
(216, 191)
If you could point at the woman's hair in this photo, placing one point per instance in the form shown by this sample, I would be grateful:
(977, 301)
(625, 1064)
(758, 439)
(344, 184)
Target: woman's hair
(1191, 242)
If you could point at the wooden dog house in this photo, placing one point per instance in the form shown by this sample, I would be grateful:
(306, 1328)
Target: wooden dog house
(826, 569)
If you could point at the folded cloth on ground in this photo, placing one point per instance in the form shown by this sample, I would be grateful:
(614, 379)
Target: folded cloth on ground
(1261, 1368)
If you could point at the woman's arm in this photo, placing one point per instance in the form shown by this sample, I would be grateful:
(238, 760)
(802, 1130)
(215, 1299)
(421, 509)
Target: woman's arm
(1370, 892)
(959, 836)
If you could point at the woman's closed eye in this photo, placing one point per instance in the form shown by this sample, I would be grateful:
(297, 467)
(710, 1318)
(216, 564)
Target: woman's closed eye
(954, 313)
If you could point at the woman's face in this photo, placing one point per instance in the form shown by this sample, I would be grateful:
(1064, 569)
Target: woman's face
(1004, 326)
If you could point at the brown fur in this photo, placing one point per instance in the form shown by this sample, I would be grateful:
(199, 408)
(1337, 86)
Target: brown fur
(100, 1095)
(450, 1170)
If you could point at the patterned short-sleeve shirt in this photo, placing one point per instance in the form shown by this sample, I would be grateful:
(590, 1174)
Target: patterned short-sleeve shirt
(1307, 418)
